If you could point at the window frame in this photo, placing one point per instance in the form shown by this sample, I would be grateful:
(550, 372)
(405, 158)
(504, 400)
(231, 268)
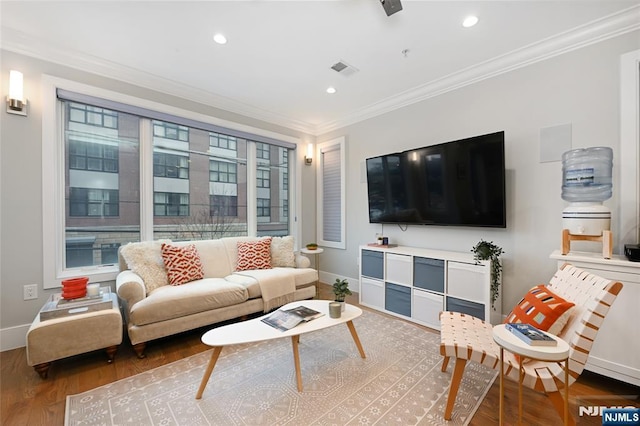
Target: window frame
(53, 175)
(332, 145)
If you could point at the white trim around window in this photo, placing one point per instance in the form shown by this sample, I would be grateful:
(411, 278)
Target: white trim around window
(629, 150)
(331, 194)
(53, 176)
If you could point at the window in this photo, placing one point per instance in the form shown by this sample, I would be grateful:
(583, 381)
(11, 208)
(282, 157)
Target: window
(263, 207)
(262, 151)
(166, 130)
(262, 178)
(94, 116)
(113, 177)
(222, 205)
(331, 194)
(93, 202)
(222, 141)
(222, 171)
(170, 204)
(93, 156)
(170, 166)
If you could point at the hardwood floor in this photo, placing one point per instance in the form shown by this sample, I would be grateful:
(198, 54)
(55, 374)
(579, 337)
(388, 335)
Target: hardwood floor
(28, 400)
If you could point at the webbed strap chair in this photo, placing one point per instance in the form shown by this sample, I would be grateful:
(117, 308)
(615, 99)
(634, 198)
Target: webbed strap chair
(467, 338)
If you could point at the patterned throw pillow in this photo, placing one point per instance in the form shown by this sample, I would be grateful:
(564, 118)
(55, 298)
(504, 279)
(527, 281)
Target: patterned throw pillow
(282, 252)
(182, 263)
(254, 255)
(543, 309)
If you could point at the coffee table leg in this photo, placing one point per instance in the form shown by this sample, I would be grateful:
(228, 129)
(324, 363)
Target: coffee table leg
(296, 360)
(356, 339)
(501, 384)
(207, 373)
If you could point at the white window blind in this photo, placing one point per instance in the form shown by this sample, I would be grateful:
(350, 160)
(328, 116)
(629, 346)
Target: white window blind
(331, 193)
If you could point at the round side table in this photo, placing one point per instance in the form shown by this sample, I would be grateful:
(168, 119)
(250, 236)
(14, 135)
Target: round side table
(316, 262)
(560, 352)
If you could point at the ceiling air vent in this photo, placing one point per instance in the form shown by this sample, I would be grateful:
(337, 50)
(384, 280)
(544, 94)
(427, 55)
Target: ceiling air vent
(344, 68)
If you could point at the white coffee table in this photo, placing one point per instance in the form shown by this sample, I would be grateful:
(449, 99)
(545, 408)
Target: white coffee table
(255, 331)
(507, 340)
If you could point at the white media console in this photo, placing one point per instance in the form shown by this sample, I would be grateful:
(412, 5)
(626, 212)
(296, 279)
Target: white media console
(616, 350)
(417, 284)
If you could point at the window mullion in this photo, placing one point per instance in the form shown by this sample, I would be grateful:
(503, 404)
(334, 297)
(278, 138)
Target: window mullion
(252, 191)
(146, 180)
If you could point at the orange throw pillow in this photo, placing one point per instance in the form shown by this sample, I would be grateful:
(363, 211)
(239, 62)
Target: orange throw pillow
(254, 255)
(182, 263)
(543, 309)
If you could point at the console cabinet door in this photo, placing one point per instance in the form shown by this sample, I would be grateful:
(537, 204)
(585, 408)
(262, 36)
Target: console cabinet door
(372, 293)
(467, 281)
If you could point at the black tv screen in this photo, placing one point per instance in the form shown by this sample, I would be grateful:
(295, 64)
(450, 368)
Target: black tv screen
(455, 183)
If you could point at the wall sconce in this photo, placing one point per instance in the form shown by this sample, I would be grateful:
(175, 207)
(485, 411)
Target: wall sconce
(308, 159)
(16, 104)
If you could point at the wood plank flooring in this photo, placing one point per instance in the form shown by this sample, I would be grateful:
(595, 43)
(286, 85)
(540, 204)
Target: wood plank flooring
(28, 400)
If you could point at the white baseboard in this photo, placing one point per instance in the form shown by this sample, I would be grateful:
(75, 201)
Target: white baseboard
(328, 278)
(13, 337)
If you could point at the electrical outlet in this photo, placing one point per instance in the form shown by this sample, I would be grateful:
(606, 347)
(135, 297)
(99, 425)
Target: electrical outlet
(30, 291)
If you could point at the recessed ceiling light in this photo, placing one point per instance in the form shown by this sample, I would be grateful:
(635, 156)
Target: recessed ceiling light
(331, 90)
(220, 39)
(470, 21)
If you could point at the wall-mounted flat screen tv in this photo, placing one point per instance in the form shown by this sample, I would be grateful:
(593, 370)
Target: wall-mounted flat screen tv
(459, 183)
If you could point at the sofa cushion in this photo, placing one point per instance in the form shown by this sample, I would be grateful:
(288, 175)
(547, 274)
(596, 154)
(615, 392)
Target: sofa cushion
(282, 252)
(145, 259)
(254, 255)
(170, 302)
(303, 277)
(213, 256)
(182, 263)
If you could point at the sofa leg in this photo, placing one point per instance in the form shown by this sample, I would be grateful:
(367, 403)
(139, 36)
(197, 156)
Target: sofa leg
(111, 353)
(139, 349)
(42, 369)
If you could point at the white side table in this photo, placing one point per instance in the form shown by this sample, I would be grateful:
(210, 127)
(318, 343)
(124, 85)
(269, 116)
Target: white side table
(507, 340)
(317, 252)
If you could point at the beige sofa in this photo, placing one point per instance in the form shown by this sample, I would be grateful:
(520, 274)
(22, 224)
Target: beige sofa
(155, 309)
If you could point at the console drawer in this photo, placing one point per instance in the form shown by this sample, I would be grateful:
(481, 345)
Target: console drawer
(467, 281)
(427, 307)
(372, 264)
(397, 298)
(466, 307)
(398, 268)
(428, 274)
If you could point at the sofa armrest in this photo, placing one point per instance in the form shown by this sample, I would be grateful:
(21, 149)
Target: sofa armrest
(130, 288)
(302, 261)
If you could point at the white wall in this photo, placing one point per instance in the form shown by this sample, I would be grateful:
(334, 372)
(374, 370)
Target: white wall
(581, 88)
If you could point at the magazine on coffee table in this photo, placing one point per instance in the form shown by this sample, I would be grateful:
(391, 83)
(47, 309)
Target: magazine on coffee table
(531, 335)
(285, 320)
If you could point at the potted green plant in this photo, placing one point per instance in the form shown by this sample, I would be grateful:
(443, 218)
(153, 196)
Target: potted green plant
(341, 290)
(487, 250)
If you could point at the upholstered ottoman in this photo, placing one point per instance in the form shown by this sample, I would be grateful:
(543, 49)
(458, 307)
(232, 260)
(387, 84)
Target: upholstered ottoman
(75, 334)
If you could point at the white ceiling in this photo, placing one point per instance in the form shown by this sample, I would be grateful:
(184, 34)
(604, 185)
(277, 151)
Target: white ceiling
(276, 65)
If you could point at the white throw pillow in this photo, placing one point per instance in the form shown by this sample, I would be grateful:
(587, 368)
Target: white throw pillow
(282, 252)
(145, 259)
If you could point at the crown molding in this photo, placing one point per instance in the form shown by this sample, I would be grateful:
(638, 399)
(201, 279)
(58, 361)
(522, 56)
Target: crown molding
(593, 32)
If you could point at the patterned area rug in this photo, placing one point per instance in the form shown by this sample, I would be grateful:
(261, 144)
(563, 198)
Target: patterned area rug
(399, 382)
